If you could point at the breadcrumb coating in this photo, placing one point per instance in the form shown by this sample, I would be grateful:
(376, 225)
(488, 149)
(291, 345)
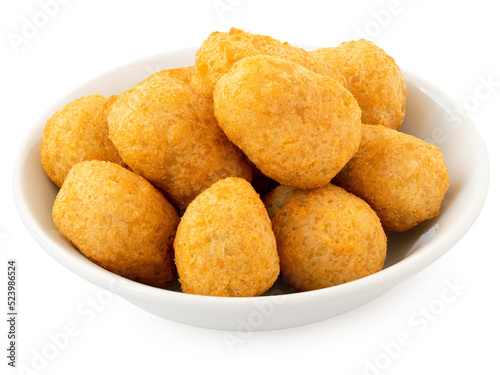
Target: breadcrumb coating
(374, 79)
(298, 127)
(183, 74)
(76, 133)
(167, 133)
(403, 178)
(118, 220)
(224, 245)
(326, 237)
(221, 50)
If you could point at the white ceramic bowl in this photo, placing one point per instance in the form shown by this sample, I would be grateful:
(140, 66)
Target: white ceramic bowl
(431, 115)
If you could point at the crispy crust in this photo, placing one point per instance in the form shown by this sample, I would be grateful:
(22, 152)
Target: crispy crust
(118, 220)
(277, 198)
(403, 178)
(76, 133)
(221, 50)
(327, 237)
(224, 245)
(183, 74)
(373, 78)
(167, 132)
(298, 127)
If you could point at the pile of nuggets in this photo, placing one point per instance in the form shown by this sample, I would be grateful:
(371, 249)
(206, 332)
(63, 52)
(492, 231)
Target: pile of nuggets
(260, 159)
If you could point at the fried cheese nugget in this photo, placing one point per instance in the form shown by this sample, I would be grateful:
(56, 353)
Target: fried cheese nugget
(76, 133)
(298, 127)
(374, 79)
(167, 133)
(326, 237)
(118, 220)
(221, 50)
(224, 245)
(403, 178)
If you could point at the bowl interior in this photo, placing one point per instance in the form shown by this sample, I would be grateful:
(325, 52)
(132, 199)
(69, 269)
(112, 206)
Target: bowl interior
(431, 116)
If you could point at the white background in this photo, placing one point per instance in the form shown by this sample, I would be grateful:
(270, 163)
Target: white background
(453, 44)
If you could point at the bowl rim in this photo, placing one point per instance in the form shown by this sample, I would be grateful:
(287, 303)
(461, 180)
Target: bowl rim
(384, 279)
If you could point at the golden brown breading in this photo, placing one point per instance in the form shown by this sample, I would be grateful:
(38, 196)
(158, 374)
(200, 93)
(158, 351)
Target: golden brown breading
(403, 178)
(76, 133)
(118, 220)
(224, 245)
(373, 78)
(167, 133)
(327, 237)
(221, 50)
(298, 127)
(277, 198)
(183, 74)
